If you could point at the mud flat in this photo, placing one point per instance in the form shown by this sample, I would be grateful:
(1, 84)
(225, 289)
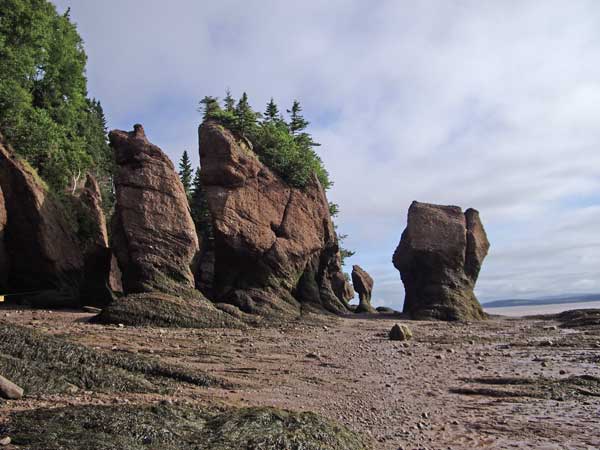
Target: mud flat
(501, 383)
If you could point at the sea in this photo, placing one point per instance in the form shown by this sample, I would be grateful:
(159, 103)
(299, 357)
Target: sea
(529, 310)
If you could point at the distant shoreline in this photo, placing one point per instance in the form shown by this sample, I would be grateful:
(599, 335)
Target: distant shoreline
(536, 309)
(566, 299)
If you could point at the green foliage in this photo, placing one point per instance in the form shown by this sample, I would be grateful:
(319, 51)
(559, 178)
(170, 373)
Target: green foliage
(229, 102)
(44, 109)
(296, 164)
(286, 149)
(271, 112)
(209, 106)
(185, 172)
(334, 210)
(246, 119)
(297, 122)
(344, 252)
(199, 209)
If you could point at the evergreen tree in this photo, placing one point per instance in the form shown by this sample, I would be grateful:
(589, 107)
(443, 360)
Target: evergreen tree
(271, 112)
(209, 106)
(199, 208)
(229, 102)
(245, 117)
(185, 172)
(344, 252)
(297, 122)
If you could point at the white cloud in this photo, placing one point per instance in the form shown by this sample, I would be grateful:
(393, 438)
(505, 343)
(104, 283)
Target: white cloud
(491, 105)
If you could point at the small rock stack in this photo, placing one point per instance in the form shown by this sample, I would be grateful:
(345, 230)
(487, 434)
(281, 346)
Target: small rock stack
(363, 285)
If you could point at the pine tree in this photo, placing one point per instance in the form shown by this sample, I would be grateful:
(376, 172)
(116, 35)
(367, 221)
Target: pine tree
(271, 112)
(229, 102)
(199, 208)
(185, 172)
(297, 122)
(209, 106)
(245, 117)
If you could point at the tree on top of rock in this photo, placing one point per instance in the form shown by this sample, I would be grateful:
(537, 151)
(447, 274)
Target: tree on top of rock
(185, 172)
(271, 112)
(229, 102)
(245, 117)
(297, 121)
(297, 126)
(208, 106)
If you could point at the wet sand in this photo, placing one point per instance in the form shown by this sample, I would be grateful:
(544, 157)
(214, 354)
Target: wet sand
(433, 392)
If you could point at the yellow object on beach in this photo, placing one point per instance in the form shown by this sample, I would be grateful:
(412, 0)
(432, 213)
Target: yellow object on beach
(1, 298)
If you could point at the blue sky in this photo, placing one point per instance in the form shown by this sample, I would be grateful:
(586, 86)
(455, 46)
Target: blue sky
(490, 105)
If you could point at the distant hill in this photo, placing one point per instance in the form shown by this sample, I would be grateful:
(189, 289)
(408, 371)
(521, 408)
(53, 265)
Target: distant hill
(568, 298)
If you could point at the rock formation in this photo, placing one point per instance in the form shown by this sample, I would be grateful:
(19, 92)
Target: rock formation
(42, 249)
(439, 257)
(154, 239)
(153, 235)
(275, 247)
(102, 276)
(363, 285)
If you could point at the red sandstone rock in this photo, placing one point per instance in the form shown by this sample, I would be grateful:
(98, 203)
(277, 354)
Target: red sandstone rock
(363, 285)
(439, 257)
(276, 251)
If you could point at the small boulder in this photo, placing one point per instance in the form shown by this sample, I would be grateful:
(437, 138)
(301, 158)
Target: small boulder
(363, 285)
(9, 390)
(400, 333)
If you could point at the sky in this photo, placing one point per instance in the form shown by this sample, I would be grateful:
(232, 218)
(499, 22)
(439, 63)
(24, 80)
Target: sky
(492, 105)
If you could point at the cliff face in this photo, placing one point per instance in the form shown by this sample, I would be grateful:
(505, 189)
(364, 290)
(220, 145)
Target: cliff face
(102, 277)
(41, 251)
(439, 257)
(275, 247)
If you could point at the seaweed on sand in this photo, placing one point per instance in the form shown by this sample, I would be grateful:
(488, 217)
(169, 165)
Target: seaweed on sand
(168, 427)
(41, 363)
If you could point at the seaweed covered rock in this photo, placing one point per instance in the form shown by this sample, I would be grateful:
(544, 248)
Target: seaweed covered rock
(363, 285)
(44, 364)
(154, 239)
(275, 248)
(41, 247)
(175, 427)
(102, 276)
(439, 257)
